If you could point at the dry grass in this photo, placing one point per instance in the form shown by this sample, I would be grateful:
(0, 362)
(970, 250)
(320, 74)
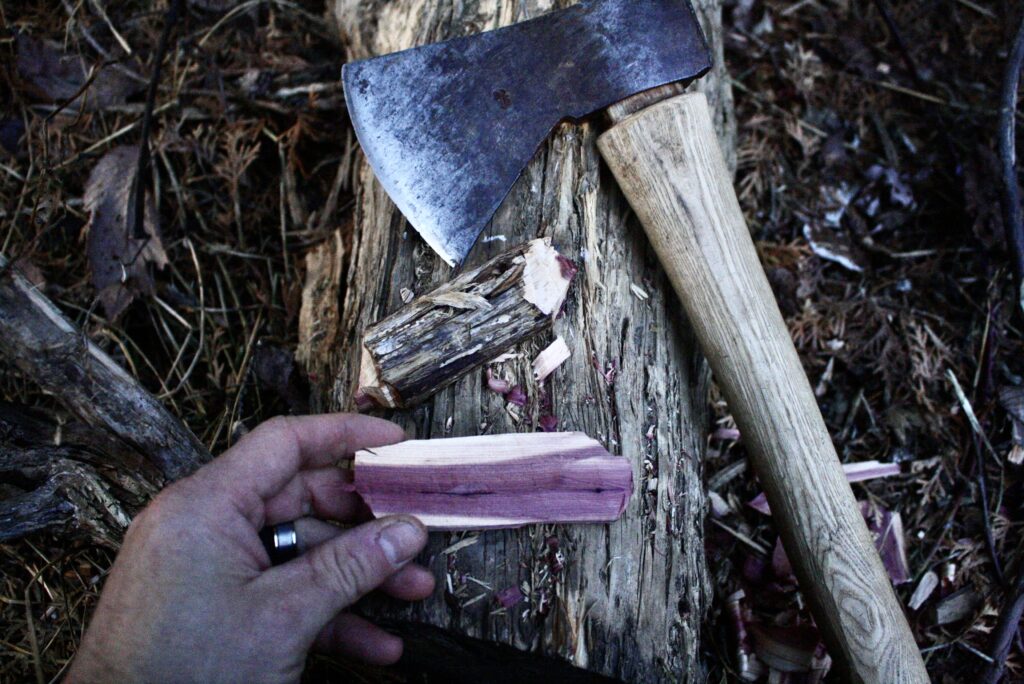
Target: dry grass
(249, 135)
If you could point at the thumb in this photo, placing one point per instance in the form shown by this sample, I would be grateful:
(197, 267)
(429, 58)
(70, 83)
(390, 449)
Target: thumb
(337, 573)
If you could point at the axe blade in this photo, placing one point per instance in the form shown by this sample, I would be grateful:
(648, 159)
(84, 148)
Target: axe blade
(449, 127)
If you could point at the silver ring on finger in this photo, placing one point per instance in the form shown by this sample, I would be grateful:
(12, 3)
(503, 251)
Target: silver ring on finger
(281, 542)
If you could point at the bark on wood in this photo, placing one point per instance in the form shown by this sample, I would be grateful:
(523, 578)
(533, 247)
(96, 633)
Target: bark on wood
(37, 338)
(495, 481)
(627, 599)
(441, 336)
(67, 478)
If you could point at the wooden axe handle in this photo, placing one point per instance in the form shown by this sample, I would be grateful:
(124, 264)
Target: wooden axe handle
(667, 161)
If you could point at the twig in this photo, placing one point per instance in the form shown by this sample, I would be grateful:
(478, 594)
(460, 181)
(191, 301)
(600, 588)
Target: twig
(972, 418)
(894, 29)
(985, 517)
(137, 199)
(1012, 218)
(1002, 637)
(95, 44)
(102, 11)
(978, 8)
(978, 436)
(760, 548)
(127, 128)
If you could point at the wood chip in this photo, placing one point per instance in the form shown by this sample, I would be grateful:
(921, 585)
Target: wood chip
(639, 292)
(435, 339)
(924, 590)
(553, 356)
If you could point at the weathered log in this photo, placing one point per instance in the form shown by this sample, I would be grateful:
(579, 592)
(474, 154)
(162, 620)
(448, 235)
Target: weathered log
(628, 599)
(495, 481)
(37, 338)
(440, 337)
(67, 478)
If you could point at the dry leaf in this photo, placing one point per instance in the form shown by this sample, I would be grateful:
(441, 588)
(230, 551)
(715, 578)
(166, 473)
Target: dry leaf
(119, 262)
(53, 75)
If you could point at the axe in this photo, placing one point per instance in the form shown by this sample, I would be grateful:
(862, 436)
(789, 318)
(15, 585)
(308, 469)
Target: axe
(449, 127)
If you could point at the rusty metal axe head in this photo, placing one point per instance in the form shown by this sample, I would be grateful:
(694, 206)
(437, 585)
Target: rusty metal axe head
(449, 127)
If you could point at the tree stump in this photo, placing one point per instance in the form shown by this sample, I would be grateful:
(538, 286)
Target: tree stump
(626, 600)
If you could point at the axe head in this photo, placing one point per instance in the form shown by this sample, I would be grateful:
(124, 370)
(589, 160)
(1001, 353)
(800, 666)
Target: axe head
(449, 127)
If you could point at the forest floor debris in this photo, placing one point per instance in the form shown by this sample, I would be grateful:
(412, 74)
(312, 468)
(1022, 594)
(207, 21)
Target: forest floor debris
(868, 166)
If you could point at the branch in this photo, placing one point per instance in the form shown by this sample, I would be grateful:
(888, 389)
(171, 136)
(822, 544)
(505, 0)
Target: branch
(37, 338)
(1006, 628)
(439, 337)
(1012, 218)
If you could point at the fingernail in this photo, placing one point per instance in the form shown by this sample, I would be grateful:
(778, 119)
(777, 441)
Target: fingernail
(401, 541)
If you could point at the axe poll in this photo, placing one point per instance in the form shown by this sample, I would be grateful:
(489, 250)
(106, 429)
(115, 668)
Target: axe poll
(449, 127)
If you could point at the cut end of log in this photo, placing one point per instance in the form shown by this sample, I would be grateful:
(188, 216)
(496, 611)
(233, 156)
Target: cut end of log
(496, 481)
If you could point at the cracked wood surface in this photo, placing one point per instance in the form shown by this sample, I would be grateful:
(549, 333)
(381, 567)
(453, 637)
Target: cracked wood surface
(626, 599)
(445, 334)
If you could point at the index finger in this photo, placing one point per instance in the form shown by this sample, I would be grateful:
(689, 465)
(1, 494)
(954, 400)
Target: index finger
(267, 459)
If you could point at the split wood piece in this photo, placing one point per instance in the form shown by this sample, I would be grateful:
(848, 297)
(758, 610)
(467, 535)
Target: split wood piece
(495, 481)
(37, 338)
(439, 337)
(566, 193)
(548, 361)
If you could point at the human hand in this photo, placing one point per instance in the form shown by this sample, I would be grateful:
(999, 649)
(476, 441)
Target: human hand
(192, 596)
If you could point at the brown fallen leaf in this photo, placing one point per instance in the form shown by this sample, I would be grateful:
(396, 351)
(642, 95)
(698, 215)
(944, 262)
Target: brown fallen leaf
(51, 74)
(119, 263)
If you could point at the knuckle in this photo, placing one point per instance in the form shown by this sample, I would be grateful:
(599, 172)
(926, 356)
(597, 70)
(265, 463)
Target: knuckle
(278, 425)
(343, 572)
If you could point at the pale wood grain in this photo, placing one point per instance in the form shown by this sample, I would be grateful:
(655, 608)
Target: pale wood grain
(667, 162)
(632, 597)
(495, 481)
